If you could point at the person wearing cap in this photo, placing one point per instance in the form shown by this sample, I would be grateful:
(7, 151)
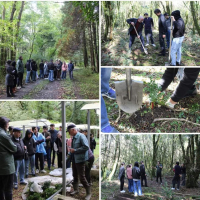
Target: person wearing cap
(162, 31)
(138, 24)
(168, 24)
(178, 37)
(51, 70)
(19, 157)
(53, 139)
(79, 155)
(40, 150)
(20, 72)
(121, 177)
(7, 164)
(148, 21)
(47, 145)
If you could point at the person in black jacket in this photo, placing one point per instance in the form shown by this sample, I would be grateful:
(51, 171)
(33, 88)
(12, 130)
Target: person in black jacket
(19, 157)
(121, 177)
(177, 174)
(58, 149)
(143, 174)
(51, 70)
(59, 66)
(162, 30)
(34, 70)
(15, 76)
(28, 71)
(183, 172)
(31, 145)
(136, 180)
(138, 23)
(92, 143)
(178, 37)
(41, 66)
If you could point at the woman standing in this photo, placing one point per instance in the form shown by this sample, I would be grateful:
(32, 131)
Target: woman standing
(130, 178)
(136, 180)
(7, 166)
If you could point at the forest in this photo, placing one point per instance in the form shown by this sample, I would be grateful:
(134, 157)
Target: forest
(115, 39)
(168, 149)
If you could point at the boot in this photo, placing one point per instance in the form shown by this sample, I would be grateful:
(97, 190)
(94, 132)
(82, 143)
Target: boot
(88, 193)
(76, 190)
(8, 95)
(13, 95)
(177, 63)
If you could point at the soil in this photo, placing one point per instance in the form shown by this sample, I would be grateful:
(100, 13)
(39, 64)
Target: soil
(153, 191)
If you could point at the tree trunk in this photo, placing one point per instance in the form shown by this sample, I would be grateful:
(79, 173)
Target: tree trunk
(91, 48)
(85, 48)
(194, 16)
(95, 46)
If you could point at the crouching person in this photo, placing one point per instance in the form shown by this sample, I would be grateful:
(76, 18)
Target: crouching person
(19, 157)
(79, 154)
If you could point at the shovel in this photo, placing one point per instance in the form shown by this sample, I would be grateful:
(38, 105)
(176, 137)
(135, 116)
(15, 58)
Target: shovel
(129, 93)
(145, 51)
(170, 44)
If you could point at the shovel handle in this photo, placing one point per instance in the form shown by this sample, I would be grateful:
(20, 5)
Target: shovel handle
(128, 82)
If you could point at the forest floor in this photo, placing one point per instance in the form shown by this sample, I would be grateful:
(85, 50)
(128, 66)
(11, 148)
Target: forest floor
(84, 86)
(115, 52)
(110, 190)
(143, 119)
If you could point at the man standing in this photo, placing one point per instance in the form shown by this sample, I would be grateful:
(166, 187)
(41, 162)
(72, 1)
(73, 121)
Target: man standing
(51, 70)
(168, 24)
(41, 66)
(143, 174)
(178, 36)
(138, 24)
(176, 179)
(162, 31)
(20, 72)
(79, 154)
(121, 177)
(19, 157)
(148, 21)
(159, 172)
(92, 142)
(53, 139)
(34, 70)
(59, 67)
(71, 68)
(28, 71)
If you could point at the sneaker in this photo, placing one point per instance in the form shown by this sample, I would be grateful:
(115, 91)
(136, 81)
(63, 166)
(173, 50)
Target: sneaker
(135, 195)
(19, 88)
(177, 63)
(169, 105)
(23, 183)
(177, 189)
(15, 187)
(153, 45)
(110, 94)
(53, 165)
(43, 171)
(22, 87)
(109, 129)
(172, 188)
(146, 45)
(37, 171)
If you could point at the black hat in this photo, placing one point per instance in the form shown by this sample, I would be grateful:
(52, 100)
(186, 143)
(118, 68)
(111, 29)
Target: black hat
(46, 127)
(70, 126)
(176, 14)
(16, 129)
(145, 13)
(52, 124)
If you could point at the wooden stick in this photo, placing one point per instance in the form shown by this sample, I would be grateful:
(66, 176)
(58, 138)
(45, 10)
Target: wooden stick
(172, 119)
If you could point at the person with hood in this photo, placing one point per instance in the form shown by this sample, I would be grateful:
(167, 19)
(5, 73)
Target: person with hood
(40, 150)
(51, 70)
(136, 180)
(7, 164)
(168, 24)
(41, 67)
(9, 79)
(64, 70)
(20, 72)
(13, 64)
(143, 174)
(178, 37)
(162, 31)
(121, 177)
(19, 157)
(177, 174)
(70, 69)
(28, 71)
(130, 178)
(138, 23)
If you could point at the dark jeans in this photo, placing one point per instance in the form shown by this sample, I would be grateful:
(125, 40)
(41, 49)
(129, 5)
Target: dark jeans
(71, 74)
(79, 172)
(148, 32)
(59, 155)
(20, 79)
(48, 156)
(33, 75)
(63, 76)
(54, 153)
(176, 180)
(88, 169)
(168, 37)
(39, 156)
(183, 179)
(157, 176)
(122, 183)
(6, 186)
(187, 83)
(162, 41)
(41, 73)
(9, 90)
(143, 177)
(55, 74)
(58, 74)
(132, 39)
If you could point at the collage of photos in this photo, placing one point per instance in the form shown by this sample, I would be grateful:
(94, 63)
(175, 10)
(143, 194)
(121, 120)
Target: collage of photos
(99, 100)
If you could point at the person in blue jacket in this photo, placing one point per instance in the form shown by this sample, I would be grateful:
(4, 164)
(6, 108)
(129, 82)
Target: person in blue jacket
(40, 150)
(79, 154)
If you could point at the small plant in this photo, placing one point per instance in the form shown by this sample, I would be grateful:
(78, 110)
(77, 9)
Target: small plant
(46, 185)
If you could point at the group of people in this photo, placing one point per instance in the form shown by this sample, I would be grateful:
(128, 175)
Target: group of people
(35, 148)
(48, 70)
(136, 176)
(164, 26)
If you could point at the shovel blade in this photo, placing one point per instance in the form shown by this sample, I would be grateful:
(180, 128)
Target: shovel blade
(122, 97)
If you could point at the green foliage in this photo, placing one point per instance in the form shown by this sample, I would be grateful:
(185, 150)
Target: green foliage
(35, 196)
(46, 185)
(48, 192)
